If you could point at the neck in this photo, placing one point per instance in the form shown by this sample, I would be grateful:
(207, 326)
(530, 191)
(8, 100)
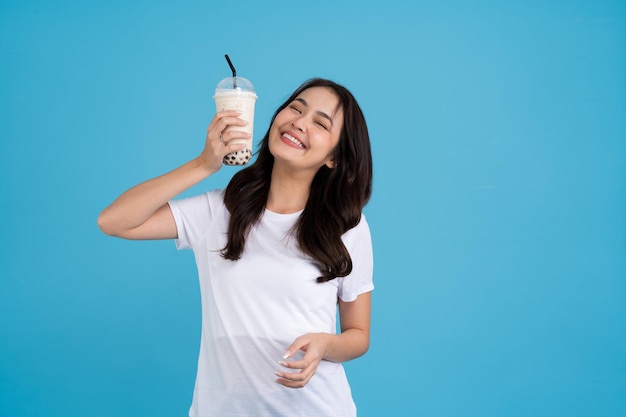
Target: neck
(289, 191)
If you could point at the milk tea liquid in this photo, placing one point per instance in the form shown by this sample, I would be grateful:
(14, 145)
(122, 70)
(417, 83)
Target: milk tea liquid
(243, 101)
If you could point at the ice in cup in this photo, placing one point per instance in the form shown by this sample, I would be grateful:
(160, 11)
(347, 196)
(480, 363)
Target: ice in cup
(237, 93)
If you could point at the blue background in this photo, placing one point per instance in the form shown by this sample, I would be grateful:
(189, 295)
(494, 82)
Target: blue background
(498, 215)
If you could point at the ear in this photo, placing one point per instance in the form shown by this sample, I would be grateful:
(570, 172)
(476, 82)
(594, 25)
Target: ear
(331, 163)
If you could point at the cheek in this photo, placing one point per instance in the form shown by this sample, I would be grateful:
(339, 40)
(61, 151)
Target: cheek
(281, 118)
(275, 126)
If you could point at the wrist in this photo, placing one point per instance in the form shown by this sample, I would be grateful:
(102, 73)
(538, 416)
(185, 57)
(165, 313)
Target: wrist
(328, 340)
(199, 163)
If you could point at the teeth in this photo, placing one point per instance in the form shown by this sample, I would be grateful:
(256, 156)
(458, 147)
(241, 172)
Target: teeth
(293, 140)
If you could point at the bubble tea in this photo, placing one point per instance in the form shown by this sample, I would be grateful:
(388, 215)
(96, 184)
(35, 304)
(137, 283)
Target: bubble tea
(237, 93)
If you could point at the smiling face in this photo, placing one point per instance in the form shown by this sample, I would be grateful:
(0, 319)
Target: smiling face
(305, 133)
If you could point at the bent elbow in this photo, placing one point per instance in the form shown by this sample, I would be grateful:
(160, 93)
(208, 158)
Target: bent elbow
(365, 347)
(361, 346)
(105, 224)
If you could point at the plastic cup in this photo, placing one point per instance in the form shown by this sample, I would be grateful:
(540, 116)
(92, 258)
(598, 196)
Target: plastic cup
(237, 93)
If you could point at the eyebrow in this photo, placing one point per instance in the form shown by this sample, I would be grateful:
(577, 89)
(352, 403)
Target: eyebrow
(321, 113)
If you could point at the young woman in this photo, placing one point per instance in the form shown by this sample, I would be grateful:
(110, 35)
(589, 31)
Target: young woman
(278, 251)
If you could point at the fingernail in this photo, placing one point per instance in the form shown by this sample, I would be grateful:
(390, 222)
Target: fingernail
(282, 363)
(278, 374)
(286, 355)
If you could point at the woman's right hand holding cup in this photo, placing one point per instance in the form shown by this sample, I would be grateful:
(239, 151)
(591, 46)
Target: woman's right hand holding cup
(217, 145)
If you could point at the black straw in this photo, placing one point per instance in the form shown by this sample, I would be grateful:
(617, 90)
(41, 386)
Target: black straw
(232, 68)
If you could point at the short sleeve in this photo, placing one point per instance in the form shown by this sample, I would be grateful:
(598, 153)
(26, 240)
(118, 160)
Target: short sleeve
(193, 217)
(358, 241)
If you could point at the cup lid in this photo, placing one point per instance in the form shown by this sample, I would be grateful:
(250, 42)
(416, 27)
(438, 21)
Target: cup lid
(235, 83)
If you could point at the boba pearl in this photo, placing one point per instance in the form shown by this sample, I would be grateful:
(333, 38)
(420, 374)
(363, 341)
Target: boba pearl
(238, 158)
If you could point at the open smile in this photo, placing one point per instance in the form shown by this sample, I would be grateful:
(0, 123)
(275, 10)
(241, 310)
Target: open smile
(292, 141)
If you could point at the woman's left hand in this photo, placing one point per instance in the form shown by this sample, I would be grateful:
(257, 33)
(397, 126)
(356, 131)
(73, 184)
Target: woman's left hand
(314, 346)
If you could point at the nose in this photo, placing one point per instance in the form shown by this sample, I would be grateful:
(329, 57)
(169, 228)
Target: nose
(298, 124)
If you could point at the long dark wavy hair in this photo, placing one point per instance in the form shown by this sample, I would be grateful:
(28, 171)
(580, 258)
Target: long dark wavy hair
(336, 198)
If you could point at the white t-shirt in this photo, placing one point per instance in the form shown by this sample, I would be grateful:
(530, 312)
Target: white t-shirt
(255, 307)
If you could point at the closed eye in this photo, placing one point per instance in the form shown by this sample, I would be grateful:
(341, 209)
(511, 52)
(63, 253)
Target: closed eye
(296, 109)
(322, 125)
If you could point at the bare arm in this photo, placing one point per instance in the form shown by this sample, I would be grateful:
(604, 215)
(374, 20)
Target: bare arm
(354, 339)
(352, 342)
(142, 212)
